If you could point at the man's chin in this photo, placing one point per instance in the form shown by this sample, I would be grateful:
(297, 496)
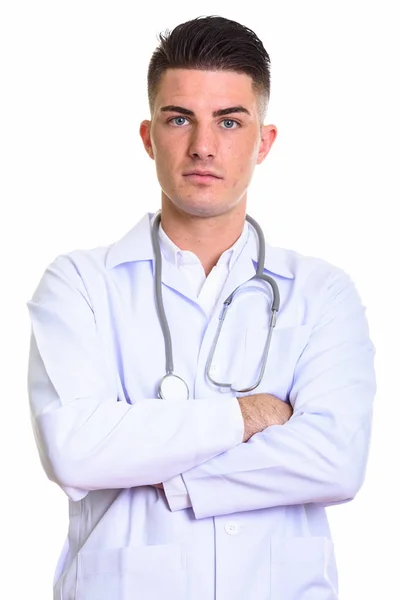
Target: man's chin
(204, 209)
(203, 212)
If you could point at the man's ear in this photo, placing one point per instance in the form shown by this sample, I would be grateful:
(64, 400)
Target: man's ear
(146, 139)
(268, 136)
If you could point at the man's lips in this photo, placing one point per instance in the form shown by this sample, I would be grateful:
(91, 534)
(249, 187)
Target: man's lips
(202, 176)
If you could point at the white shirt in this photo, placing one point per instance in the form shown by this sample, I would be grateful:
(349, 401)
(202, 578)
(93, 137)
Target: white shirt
(207, 289)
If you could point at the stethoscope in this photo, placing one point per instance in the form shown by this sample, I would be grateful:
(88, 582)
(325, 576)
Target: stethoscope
(171, 385)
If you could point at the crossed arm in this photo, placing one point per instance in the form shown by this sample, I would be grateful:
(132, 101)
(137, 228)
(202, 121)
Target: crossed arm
(259, 411)
(88, 441)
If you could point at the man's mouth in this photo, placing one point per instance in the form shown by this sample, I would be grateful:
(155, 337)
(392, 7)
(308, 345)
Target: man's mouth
(197, 176)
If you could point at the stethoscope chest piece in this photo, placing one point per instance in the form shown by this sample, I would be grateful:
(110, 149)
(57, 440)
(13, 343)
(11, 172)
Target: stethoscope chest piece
(172, 387)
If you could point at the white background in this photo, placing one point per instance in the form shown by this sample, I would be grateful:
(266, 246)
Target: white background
(74, 175)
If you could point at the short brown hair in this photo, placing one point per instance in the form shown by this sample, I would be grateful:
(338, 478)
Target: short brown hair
(211, 43)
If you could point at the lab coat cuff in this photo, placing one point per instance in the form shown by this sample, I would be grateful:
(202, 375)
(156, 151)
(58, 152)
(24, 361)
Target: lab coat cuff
(238, 421)
(176, 493)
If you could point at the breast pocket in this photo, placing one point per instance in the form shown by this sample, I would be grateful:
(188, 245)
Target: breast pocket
(303, 568)
(136, 573)
(286, 346)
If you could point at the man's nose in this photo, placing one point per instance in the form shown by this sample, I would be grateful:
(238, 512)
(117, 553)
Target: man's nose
(203, 143)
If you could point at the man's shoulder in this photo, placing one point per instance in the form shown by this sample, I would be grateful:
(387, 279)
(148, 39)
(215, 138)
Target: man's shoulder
(86, 262)
(81, 260)
(301, 266)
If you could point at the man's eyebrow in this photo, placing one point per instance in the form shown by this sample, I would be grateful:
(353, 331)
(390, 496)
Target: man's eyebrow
(228, 111)
(178, 109)
(217, 113)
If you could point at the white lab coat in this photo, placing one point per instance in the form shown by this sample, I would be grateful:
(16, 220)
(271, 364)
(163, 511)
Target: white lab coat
(257, 528)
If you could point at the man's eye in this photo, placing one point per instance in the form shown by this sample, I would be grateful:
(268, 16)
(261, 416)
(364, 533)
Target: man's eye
(230, 124)
(178, 121)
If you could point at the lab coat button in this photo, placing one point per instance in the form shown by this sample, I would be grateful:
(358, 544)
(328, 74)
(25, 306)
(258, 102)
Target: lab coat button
(232, 528)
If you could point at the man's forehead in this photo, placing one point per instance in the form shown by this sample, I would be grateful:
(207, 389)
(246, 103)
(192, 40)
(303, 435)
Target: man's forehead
(206, 90)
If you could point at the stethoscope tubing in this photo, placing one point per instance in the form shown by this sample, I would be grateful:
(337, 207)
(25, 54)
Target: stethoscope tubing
(259, 275)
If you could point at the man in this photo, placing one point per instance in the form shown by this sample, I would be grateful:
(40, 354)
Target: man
(191, 489)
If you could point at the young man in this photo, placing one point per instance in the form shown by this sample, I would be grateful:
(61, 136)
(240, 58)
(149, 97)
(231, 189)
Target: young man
(200, 486)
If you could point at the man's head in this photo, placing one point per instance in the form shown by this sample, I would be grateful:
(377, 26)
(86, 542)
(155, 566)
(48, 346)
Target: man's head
(212, 44)
(208, 86)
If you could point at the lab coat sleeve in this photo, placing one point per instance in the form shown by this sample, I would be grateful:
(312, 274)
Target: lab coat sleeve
(86, 438)
(176, 493)
(320, 454)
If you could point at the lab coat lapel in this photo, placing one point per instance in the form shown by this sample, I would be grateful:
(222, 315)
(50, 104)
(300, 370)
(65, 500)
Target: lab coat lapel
(243, 270)
(171, 277)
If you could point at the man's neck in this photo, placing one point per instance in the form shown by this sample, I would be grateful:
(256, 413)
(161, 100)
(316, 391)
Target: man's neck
(207, 238)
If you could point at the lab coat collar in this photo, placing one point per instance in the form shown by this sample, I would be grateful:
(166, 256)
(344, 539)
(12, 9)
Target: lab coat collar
(136, 245)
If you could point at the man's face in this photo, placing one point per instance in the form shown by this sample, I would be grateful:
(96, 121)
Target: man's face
(206, 138)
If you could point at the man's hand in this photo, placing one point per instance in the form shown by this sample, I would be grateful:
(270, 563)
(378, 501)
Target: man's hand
(261, 411)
